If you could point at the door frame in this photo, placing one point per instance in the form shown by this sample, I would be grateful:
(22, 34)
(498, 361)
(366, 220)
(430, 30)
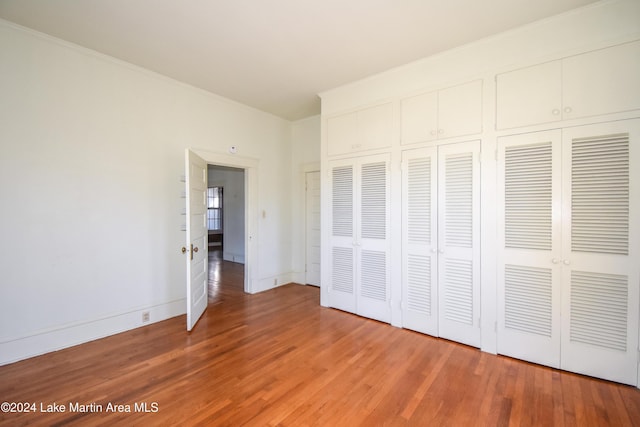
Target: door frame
(305, 170)
(250, 166)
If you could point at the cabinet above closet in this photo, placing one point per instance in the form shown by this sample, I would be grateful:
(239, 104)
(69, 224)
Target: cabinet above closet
(361, 130)
(446, 113)
(600, 82)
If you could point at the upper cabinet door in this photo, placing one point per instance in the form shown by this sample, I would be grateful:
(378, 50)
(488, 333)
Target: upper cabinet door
(366, 129)
(460, 110)
(455, 111)
(419, 118)
(601, 82)
(342, 133)
(529, 96)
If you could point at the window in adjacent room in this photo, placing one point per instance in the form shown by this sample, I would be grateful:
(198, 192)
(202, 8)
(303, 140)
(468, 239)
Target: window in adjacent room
(214, 208)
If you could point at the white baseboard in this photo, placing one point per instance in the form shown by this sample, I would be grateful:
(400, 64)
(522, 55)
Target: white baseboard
(230, 256)
(271, 282)
(15, 349)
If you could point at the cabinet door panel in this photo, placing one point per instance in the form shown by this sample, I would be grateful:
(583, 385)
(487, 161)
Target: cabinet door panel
(375, 127)
(460, 110)
(419, 118)
(601, 82)
(342, 134)
(529, 96)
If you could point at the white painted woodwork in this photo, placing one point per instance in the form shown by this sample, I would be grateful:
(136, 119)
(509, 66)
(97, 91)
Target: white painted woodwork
(447, 113)
(529, 96)
(529, 254)
(600, 243)
(196, 242)
(367, 129)
(599, 82)
(420, 240)
(568, 285)
(312, 214)
(459, 242)
(360, 252)
(441, 241)
(603, 81)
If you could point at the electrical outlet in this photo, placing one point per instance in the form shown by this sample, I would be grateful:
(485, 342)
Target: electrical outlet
(145, 316)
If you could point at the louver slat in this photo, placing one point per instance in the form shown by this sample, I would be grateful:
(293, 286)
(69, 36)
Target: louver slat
(528, 204)
(374, 194)
(599, 309)
(342, 272)
(419, 201)
(419, 284)
(374, 275)
(342, 201)
(458, 292)
(459, 200)
(528, 303)
(600, 194)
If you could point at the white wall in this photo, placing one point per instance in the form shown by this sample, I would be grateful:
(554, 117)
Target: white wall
(593, 27)
(232, 181)
(305, 157)
(91, 155)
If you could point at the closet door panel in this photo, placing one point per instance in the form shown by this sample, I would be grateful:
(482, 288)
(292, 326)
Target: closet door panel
(600, 274)
(342, 292)
(373, 239)
(529, 191)
(459, 242)
(419, 241)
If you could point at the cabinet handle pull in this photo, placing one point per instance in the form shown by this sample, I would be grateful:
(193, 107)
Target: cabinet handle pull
(555, 111)
(567, 109)
(555, 260)
(566, 262)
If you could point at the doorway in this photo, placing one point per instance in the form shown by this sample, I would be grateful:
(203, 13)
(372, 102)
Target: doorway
(226, 226)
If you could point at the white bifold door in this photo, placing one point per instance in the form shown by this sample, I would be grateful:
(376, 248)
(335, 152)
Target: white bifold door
(359, 241)
(441, 241)
(568, 248)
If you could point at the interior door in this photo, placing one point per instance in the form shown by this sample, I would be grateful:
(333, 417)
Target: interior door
(196, 244)
(313, 228)
(529, 251)
(601, 276)
(459, 242)
(420, 240)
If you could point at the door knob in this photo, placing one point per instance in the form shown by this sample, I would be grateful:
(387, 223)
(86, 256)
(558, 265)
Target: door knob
(183, 250)
(195, 249)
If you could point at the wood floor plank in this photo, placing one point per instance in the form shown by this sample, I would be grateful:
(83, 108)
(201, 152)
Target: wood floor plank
(279, 358)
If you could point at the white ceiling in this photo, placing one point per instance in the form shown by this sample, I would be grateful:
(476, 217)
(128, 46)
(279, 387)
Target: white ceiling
(275, 55)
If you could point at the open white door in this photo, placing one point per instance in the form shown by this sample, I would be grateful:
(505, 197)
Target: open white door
(196, 244)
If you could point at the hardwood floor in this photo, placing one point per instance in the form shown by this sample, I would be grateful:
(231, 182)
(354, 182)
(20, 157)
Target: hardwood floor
(278, 358)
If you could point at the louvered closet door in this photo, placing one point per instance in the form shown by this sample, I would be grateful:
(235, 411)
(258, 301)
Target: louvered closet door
(342, 292)
(601, 252)
(420, 240)
(459, 242)
(529, 256)
(372, 243)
